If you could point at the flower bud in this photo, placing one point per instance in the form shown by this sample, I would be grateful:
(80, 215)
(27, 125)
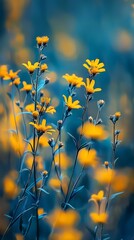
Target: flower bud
(100, 103)
(59, 124)
(51, 142)
(106, 163)
(90, 119)
(35, 114)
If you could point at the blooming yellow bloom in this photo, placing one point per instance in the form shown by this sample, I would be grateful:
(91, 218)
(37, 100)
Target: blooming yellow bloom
(94, 67)
(70, 104)
(74, 80)
(10, 187)
(43, 67)
(87, 157)
(67, 234)
(99, 218)
(55, 183)
(63, 219)
(90, 87)
(42, 40)
(15, 82)
(31, 67)
(96, 132)
(3, 71)
(43, 128)
(43, 109)
(11, 75)
(98, 197)
(104, 176)
(117, 114)
(26, 87)
(30, 107)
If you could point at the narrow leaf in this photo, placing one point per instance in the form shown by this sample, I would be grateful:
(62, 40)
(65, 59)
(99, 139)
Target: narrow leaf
(41, 189)
(115, 195)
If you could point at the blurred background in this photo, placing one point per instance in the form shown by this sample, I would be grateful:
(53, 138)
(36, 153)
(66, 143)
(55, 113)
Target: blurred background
(79, 30)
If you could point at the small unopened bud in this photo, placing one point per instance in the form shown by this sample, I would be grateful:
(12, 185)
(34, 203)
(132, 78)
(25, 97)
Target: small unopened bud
(100, 103)
(59, 124)
(35, 114)
(33, 92)
(90, 119)
(41, 93)
(61, 144)
(117, 132)
(51, 142)
(99, 121)
(18, 103)
(45, 173)
(114, 118)
(106, 164)
(43, 57)
(47, 80)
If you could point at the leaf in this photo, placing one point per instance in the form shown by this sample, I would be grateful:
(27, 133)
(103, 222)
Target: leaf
(115, 195)
(68, 204)
(76, 190)
(73, 138)
(23, 159)
(42, 215)
(8, 216)
(41, 85)
(24, 170)
(32, 184)
(20, 113)
(41, 189)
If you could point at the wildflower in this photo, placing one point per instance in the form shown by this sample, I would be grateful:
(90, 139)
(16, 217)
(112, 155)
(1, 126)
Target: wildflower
(43, 67)
(88, 158)
(46, 109)
(99, 217)
(106, 164)
(43, 141)
(11, 75)
(63, 219)
(65, 161)
(70, 104)
(31, 67)
(94, 67)
(95, 132)
(67, 234)
(98, 197)
(55, 183)
(10, 187)
(3, 71)
(43, 128)
(15, 82)
(45, 173)
(42, 40)
(90, 87)
(30, 107)
(104, 175)
(73, 80)
(26, 87)
(45, 100)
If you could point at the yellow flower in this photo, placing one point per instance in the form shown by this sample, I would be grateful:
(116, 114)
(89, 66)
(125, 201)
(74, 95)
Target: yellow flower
(71, 105)
(10, 187)
(31, 67)
(30, 107)
(67, 234)
(104, 176)
(99, 218)
(63, 219)
(74, 80)
(87, 157)
(96, 132)
(42, 40)
(3, 71)
(94, 67)
(45, 100)
(117, 115)
(43, 67)
(65, 161)
(50, 109)
(43, 128)
(55, 183)
(11, 75)
(16, 82)
(26, 87)
(90, 87)
(98, 197)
